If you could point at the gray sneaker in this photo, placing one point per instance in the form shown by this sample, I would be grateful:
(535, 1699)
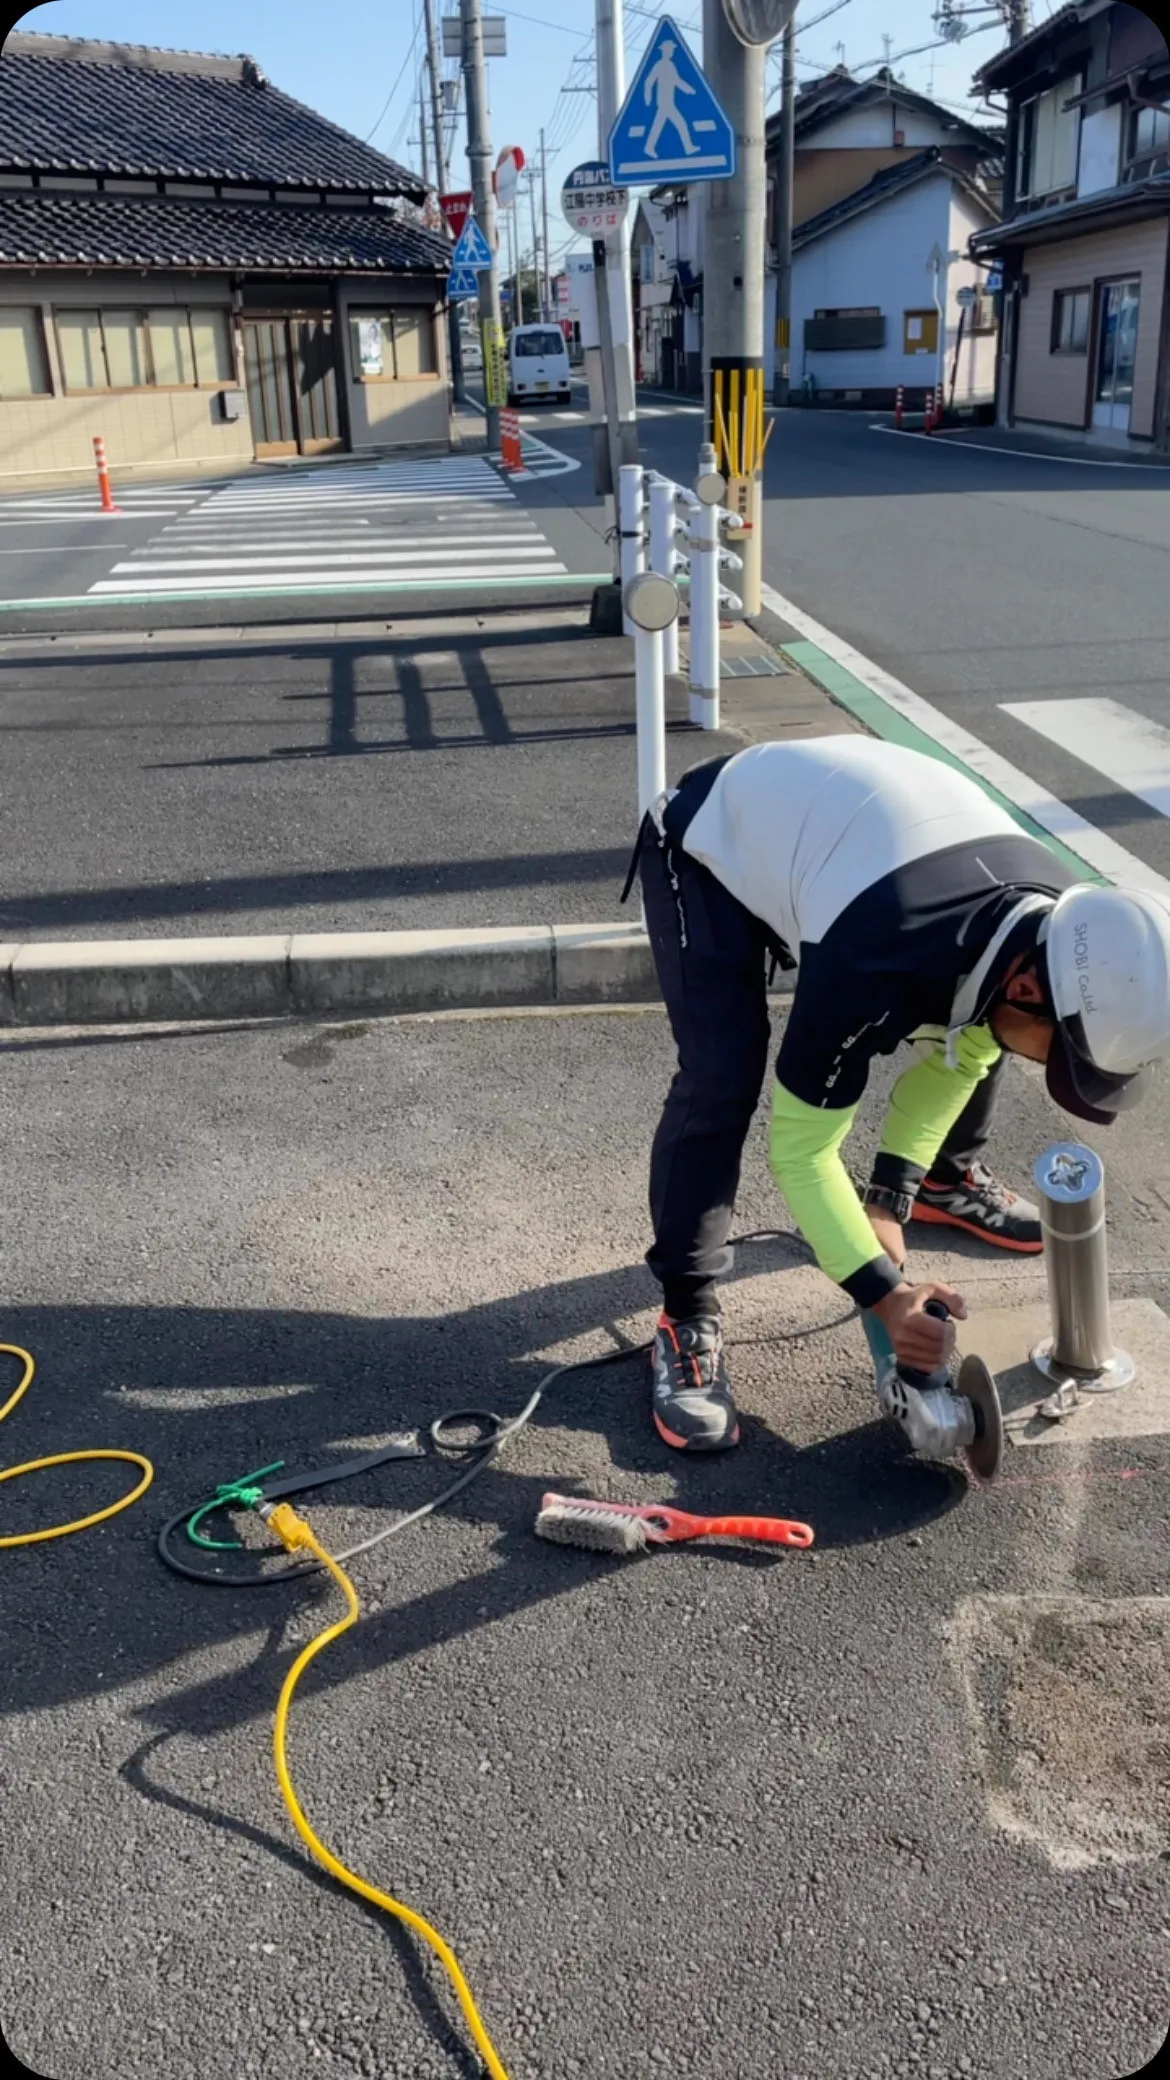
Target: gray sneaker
(692, 1405)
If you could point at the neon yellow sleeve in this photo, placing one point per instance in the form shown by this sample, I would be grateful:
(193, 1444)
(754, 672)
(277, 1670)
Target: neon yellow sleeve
(928, 1098)
(805, 1152)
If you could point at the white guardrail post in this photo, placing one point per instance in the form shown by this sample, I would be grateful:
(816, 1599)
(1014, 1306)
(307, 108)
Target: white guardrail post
(708, 557)
(665, 528)
(631, 530)
(651, 603)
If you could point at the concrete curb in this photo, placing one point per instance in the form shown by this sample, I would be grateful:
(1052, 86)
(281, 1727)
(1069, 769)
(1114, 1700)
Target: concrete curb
(288, 975)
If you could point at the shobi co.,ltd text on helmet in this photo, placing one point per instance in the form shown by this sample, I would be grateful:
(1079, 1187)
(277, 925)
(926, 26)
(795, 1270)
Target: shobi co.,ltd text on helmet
(1108, 958)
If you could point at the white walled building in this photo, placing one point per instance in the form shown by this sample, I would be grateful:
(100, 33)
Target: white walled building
(864, 315)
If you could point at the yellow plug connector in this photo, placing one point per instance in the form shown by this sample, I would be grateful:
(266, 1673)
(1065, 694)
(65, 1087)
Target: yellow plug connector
(291, 1529)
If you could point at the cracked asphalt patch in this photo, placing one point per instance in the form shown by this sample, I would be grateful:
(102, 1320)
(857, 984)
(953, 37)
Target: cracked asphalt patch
(705, 1813)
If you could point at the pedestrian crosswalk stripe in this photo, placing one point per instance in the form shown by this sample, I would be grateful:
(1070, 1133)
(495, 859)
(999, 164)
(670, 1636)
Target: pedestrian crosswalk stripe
(531, 551)
(334, 581)
(449, 520)
(1128, 748)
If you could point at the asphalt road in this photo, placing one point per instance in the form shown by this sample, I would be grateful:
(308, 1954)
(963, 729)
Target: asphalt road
(982, 580)
(445, 769)
(705, 1813)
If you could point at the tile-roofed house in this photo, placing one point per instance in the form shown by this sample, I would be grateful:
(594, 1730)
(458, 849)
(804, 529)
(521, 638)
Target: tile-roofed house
(211, 269)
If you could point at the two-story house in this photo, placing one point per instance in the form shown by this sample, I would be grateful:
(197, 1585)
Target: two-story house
(200, 269)
(883, 178)
(1085, 340)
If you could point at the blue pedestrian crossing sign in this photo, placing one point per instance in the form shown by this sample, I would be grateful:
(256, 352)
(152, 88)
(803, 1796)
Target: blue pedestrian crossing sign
(671, 127)
(471, 249)
(462, 282)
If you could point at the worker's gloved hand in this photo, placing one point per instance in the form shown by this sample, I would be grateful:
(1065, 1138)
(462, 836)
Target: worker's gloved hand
(920, 1340)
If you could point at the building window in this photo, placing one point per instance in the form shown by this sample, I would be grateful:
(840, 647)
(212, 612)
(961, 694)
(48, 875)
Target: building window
(1046, 150)
(163, 349)
(920, 332)
(392, 346)
(981, 314)
(1149, 132)
(852, 327)
(646, 264)
(24, 368)
(1070, 321)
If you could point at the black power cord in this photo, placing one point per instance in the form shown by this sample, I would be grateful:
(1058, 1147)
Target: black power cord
(493, 1433)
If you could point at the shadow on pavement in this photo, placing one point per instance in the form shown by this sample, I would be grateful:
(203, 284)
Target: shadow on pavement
(211, 1395)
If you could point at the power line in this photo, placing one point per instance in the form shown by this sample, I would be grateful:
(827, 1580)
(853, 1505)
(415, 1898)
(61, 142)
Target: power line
(398, 81)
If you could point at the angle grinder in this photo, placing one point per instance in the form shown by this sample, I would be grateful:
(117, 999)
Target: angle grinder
(977, 1415)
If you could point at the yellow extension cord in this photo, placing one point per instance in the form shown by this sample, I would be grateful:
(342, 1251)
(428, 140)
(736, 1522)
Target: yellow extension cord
(13, 1473)
(295, 1532)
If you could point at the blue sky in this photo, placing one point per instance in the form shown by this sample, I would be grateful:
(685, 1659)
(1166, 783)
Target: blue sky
(359, 64)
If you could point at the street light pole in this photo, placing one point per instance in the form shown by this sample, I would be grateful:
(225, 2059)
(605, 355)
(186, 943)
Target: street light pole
(479, 153)
(434, 70)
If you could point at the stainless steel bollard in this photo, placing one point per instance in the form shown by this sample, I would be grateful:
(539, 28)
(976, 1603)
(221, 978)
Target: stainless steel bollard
(1080, 1352)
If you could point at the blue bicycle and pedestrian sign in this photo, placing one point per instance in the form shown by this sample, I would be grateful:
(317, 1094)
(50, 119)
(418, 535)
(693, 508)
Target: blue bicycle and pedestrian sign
(671, 128)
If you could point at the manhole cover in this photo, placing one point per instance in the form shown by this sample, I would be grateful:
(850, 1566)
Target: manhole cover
(1070, 1712)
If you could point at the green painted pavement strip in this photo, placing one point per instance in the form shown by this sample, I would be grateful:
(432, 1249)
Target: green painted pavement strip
(885, 721)
(566, 580)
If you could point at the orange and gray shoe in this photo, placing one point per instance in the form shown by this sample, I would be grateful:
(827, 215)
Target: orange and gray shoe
(980, 1205)
(692, 1404)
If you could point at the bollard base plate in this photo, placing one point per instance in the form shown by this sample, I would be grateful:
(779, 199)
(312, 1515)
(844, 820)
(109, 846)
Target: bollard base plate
(1120, 1372)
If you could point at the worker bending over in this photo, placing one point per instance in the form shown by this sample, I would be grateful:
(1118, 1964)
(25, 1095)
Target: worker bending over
(915, 909)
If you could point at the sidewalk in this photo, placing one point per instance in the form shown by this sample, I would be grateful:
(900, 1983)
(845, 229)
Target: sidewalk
(227, 814)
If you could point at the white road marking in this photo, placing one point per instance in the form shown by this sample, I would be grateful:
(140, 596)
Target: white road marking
(1126, 747)
(1083, 838)
(957, 440)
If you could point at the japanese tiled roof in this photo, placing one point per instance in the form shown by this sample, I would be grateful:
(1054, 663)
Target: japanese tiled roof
(70, 106)
(46, 229)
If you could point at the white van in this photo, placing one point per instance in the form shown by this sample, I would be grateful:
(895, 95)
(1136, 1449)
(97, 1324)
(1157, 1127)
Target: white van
(538, 365)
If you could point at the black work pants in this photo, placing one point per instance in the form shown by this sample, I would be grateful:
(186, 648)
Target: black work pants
(712, 956)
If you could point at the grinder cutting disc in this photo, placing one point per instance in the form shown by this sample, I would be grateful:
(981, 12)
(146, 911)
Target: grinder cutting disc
(986, 1453)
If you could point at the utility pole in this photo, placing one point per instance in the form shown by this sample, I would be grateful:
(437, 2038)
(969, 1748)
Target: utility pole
(785, 178)
(479, 153)
(1019, 20)
(546, 299)
(423, 139)
(734, 235)
(442, 177)
(611, 92)
(538, 298)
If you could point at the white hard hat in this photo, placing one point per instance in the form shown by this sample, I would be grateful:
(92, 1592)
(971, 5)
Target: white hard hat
(1108, 956)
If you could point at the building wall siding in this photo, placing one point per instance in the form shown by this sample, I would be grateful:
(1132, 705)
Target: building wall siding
(821, 178)
(880, 259)
(1056, 387)
(49, 436)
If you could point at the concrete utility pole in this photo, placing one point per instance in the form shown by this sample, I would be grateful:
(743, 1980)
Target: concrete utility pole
(1019, 20)
(546, 298)
(442, 177)
(611, 92)
(785, 175)
(734, 241)
(538, 298)
(479, 153)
